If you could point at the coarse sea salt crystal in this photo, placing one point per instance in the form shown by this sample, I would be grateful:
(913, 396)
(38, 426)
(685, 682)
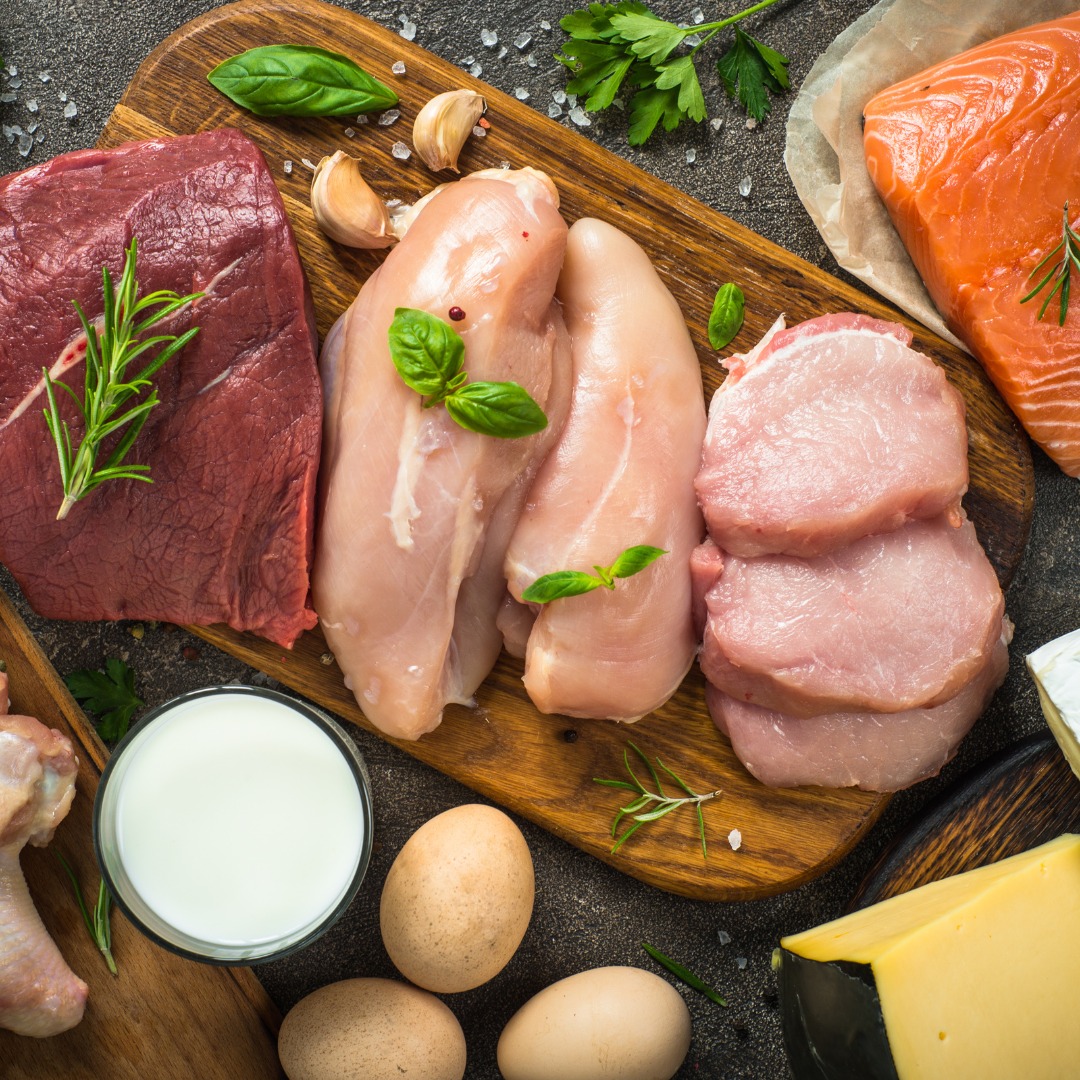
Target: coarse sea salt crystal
(745, 185)
(734, 838)
(530, 60)
(32, 105)
(577, 115)
(287, 166)
(15, 82)
(40, 136)
(522, 41)
(468, 61)
(558, 96)
(572, 98)
(489, 38)
(398, 67)
(751, 123)
(45, 76)
(503, 50)
(476, 71)
(716, 123)
(8, 98)
(723, 937)
(408, 30)
(12, 70)
(9, 133)
(544, 24)
(350, 133)
(693, 40)
(691, 156)
(71, 110)
(400, 151)
(26, 143)
(697, 16)
(479, 132)
(61, 96)
(554, 111)
(363, 118)
(391, 116)
(521, 93)
(740, 962)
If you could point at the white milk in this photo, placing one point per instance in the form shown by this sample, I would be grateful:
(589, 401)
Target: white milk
(238, 820)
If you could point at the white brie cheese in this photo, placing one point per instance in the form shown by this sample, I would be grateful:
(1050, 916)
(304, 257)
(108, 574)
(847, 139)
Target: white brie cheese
(1055, 667)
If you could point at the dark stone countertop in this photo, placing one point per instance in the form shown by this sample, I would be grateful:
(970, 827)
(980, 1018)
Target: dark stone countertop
(586, 913)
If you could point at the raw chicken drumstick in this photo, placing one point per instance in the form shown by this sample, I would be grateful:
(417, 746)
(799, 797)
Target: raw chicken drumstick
(39, 994)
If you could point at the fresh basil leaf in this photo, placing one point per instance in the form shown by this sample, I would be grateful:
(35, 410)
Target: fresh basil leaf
(683, 973)
(559, 584)
(634, 559)
(427, 352)
(502, 409)
(728, 309)
(299, 80)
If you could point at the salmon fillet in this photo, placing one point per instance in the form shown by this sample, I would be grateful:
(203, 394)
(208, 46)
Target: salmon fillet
(975, 159)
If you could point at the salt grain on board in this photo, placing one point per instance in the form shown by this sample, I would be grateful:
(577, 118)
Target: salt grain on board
(408, 31)
(400, 151)
(476, 71)
(734, 838)
(391, 116)
(398, 67)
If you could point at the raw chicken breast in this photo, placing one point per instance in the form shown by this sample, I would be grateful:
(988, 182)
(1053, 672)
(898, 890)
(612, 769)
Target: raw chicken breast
(896, 621)
(622, 474)
(827, 432)
(39, 994)
(415, 511)
(871, 750)
(975, 159)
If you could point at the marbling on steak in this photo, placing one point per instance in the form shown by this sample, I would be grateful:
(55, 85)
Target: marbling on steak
(224, 533)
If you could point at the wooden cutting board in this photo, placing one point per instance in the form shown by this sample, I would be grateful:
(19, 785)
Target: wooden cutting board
(542, 766)
(137, 1024)
(1014, 802)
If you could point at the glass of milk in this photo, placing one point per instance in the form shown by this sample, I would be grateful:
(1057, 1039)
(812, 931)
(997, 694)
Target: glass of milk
(234, 824)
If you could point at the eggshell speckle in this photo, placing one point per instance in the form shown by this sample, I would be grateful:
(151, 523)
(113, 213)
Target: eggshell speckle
(458, 899)
(610, 1023)
(371, 1029)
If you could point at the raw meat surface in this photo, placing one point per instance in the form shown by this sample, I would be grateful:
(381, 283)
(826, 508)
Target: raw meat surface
(870, 750)
(621, 475)
(895, 621)
(833, 430)
(416, 512)
(975, 159)
(39, 994)
(224, 533)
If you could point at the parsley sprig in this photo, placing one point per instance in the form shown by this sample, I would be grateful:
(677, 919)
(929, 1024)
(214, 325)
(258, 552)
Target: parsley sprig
(625, 42)
(109, 693)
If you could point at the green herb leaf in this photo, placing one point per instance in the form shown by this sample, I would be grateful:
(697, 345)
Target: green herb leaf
(107, 386)
(299, 80)
(1060, 273)
(109, 694)
(747, 75)
(559, 584)
(503, 410)
(649, 107)
(684, 974)
(653, 39)
(634, 559)
(660, 803)
(429, 355)
(726, 320)
(97, 925)
(427, 352)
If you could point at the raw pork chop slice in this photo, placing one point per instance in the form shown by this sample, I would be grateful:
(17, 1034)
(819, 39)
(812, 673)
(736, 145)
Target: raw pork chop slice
(621, 474)
(895, 621)
(975, 159)
(871, 750)
(829, 431)
(416, 512)
(224, 532)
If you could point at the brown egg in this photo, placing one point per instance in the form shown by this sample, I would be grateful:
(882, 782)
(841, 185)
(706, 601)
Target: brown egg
(371, 1029)
(458, 899)
(610, 1023)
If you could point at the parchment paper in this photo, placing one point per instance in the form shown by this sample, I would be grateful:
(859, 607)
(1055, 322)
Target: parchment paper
(824, 150)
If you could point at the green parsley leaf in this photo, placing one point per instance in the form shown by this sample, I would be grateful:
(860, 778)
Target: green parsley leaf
(682, 74)
(647, 108)
(726, 320)
(749, 70)
(653, 39)
(109, 694)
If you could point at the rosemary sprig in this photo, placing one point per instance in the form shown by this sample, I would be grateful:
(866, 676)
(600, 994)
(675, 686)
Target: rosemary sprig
(661, 803)
(1060, 273)
(683, 973)
(97, 924)
(107, 386)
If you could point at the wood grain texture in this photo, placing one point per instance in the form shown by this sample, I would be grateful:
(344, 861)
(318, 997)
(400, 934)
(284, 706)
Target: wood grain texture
(162, 1016)
(1016, 801)
(505, 749)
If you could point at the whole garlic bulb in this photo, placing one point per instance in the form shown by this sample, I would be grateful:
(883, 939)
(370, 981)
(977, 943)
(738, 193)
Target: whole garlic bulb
(345, 206)
(442, 126)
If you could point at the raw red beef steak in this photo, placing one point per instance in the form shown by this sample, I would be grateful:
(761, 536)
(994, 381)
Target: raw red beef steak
(224, 533)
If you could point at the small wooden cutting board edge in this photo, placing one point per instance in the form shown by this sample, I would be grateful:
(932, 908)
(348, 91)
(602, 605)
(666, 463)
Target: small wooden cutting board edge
(505, 749)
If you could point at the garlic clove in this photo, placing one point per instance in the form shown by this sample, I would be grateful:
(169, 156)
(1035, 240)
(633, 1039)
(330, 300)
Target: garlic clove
(345, 206)
(442, 126)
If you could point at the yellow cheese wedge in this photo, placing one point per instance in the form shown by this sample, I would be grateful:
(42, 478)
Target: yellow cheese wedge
(1055, 667)
(969, 978)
